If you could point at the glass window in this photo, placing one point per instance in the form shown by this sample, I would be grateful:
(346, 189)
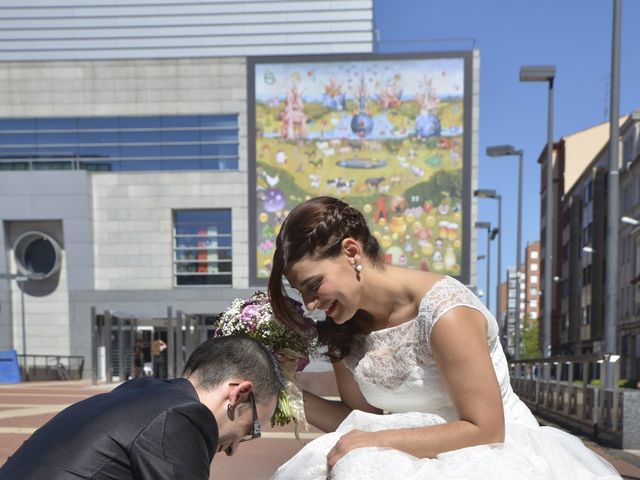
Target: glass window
(17, 124)
(98, 137)
(58, 138)
(218, 150)
(221, 121)
(87, 152)
(70, 124)
(181, 164)
(141, 165)
(185, 142)
(182, 121)
(8, 138)
(181, 136)
(133, 152)
(138, 136)
(16, 151)
(127, 123)
(177, 151)
(98, 123)
(222, 164)
(202, 247)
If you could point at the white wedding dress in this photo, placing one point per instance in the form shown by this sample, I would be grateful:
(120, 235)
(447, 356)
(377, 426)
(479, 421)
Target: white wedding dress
(396, 373)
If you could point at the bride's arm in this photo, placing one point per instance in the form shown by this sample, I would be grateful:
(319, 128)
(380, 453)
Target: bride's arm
(328, 414)
(459, 347)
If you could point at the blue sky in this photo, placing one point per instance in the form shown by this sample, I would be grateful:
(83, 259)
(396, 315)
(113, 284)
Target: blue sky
(573, 35)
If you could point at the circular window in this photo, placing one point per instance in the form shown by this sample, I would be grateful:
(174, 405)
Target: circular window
(37, 254)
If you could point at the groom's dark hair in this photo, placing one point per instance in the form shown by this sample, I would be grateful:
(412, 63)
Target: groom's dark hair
(218, 359)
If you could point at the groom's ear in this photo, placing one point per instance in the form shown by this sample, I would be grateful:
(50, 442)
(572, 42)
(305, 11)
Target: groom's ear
(239, 392)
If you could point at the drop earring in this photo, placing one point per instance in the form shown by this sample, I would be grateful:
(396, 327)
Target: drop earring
(230, 411)
(358, 268)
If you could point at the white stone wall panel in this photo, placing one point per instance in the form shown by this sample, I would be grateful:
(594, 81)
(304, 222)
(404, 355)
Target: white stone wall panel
(82, 30)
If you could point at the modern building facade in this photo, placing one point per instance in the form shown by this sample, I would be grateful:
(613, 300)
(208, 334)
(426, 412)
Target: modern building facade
(532, 281)
(629, 270)
(572, 159)
(578, 326)
(508, 293)
(124, 155)
(124, 139)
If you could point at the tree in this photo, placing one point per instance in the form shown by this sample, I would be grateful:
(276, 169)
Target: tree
(530, 340)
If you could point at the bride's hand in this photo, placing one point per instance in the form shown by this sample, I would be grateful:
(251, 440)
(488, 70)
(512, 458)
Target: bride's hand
(350, 441)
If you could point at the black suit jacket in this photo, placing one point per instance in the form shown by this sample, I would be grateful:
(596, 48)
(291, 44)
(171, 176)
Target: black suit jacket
(145, 429)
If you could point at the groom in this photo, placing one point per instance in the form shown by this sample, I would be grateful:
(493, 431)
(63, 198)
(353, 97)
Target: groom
(151, 429)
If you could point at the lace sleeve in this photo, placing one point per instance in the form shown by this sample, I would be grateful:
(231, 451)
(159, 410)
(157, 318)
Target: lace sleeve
(446, 294)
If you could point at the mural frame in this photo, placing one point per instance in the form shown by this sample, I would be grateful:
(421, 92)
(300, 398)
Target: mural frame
(467, 160)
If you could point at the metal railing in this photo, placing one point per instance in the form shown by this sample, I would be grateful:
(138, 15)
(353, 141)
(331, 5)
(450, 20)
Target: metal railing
(571, 391)
(51, 367)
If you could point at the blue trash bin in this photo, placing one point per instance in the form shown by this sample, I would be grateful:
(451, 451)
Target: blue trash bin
(9, 368)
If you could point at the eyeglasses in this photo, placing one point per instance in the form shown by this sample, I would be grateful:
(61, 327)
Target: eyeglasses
(255, 429)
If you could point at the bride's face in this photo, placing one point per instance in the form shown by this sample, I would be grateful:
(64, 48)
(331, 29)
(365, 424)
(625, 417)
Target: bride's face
(329, 285)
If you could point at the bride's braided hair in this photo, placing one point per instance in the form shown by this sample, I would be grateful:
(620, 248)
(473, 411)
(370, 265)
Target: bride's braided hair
(316, 228)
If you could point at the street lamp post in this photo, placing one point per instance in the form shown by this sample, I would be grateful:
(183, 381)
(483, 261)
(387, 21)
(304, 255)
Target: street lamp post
(502, 151)
(485, 193)
(546, 73)
(20, 279)
(487, 225)
(479, 293)
(613, 202)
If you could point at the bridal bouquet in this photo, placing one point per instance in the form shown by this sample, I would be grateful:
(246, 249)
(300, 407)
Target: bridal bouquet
(253, 317)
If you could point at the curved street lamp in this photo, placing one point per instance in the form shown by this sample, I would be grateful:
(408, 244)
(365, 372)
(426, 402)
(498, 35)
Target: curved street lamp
(503, 151)
(492, 194)
(546, 73)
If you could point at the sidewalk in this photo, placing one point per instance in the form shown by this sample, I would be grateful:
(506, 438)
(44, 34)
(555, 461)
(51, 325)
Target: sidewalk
(25, 407)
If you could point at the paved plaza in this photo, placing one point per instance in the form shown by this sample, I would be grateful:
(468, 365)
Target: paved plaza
(25, 407)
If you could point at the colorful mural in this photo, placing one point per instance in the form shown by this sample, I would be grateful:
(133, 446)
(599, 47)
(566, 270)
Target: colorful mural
(384, 135)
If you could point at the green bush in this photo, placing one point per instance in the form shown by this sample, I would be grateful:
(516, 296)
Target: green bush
(626, 383)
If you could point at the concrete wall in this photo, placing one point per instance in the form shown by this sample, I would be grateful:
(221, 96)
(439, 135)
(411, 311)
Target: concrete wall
(6, 325)
(120, 87)
(581, 148)
(129, 215)
(59, 204)
(133, 224)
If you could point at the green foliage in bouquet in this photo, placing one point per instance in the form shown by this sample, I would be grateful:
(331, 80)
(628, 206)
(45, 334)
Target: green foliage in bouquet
(253, 317)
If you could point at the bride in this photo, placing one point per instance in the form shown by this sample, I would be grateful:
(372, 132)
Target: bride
(423, 382)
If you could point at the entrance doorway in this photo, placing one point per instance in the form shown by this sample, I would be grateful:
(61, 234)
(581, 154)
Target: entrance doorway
(126, 345)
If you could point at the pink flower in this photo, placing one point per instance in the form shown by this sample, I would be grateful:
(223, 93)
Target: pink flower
(248, 314)
(302, 362)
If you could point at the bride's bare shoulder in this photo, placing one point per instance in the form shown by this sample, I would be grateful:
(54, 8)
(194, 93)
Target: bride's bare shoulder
(423, 282)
